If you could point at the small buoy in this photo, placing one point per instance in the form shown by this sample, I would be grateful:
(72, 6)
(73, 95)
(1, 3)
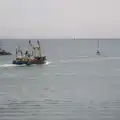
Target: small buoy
(98, 52)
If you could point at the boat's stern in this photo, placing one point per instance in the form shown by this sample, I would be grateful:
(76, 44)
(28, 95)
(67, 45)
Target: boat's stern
(44, 58)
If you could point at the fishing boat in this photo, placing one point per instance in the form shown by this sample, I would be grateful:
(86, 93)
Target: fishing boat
(33, 56)
(21, 59)
(3, 52)
(36, 55)
(98, 51)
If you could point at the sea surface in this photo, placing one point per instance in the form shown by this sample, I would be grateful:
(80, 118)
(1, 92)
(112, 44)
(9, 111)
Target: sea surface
(74, 84)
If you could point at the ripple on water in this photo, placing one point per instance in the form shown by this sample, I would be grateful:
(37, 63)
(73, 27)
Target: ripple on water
(7, 75)
(55, 109)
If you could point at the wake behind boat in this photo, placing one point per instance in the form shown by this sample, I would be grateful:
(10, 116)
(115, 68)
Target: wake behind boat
(28, 58)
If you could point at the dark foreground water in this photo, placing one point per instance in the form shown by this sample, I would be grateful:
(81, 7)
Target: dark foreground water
(75, 84)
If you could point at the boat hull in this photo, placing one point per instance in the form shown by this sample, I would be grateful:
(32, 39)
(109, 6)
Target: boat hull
(39, 60)
(20, 62)
(36, 60)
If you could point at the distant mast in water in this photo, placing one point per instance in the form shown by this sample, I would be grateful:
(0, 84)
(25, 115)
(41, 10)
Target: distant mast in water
(98, 52)
(0, 45)
(74, 38)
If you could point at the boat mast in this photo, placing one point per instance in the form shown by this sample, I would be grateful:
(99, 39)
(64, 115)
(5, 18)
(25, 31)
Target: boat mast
(31, 48)
(39, 48)
(16, 52)
(19, 50)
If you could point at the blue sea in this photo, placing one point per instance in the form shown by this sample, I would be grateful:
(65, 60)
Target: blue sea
(74, 84)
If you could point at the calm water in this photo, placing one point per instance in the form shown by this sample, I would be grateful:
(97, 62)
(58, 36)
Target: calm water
(75, 84)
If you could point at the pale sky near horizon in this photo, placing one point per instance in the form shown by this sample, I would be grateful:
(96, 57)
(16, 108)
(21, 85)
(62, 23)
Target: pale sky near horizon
(59, 18)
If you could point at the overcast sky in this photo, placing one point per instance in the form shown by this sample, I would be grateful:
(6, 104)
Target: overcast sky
(60, 18)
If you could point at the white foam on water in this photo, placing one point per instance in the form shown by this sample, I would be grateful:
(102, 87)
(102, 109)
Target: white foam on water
(9, 65)
(13, 65)
(47, 63)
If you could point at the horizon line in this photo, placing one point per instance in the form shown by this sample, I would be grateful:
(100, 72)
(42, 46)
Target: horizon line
(60, 38)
